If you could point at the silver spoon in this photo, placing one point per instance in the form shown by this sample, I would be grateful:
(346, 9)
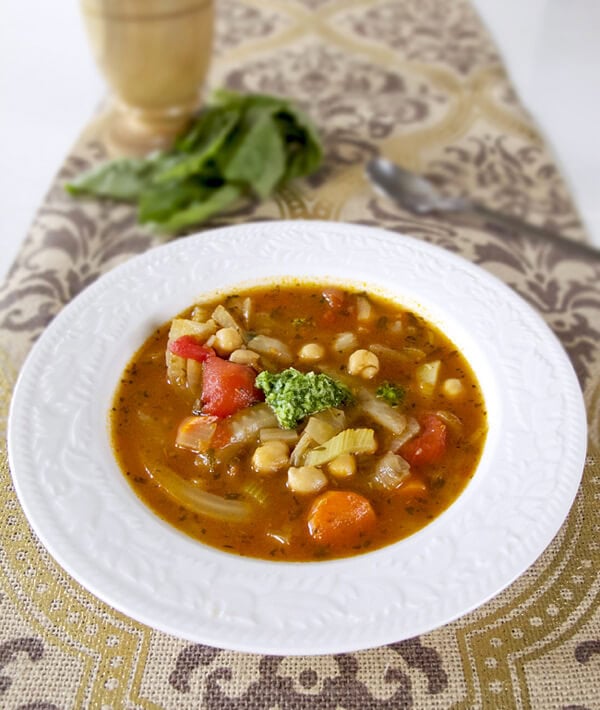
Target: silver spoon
(419, 195)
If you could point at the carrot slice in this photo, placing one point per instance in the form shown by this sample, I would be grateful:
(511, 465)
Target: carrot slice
(413, 486)
(340, 518)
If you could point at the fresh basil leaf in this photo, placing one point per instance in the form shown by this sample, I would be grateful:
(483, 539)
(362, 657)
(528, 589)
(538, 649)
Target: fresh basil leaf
(200, 210)
(200, 145)
(160, 202)
(303, 147)
(302, 144)
(258, 156)
(122, 179)
(239, 144)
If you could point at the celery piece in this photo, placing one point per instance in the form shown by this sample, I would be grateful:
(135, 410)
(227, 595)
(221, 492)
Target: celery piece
(349, 441)
(256, 490)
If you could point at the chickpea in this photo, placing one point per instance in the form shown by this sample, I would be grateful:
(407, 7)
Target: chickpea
(242, 356)
(342, 466)
(363, 363)
(270, 457)
(306, 479)
(227, 340)
(311, 352)
(452, 387)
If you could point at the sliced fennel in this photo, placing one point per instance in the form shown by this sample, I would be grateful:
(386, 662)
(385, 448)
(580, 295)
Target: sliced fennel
(256, 491)
(383, 413)
(246, 423)
(197, 500)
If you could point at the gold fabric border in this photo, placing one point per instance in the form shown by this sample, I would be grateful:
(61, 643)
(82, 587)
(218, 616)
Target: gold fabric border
(422, 83)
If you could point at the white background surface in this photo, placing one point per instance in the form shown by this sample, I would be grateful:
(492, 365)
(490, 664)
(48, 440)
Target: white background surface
(49, 87)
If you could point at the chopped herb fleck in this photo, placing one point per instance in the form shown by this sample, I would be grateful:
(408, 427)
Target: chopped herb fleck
(391, 393)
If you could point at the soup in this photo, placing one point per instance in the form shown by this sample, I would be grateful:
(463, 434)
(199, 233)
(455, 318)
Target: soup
(298, 422)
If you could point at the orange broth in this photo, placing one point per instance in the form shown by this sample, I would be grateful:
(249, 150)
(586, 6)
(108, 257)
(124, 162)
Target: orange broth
(148, 409)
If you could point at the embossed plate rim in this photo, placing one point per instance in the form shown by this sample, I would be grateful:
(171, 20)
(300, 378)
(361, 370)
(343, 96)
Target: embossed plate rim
(79, 504)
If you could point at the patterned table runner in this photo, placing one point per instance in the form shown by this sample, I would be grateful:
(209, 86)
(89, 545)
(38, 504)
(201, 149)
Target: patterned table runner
(421, 83)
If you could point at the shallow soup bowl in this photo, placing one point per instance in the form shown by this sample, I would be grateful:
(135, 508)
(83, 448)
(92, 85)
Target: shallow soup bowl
(80, 505)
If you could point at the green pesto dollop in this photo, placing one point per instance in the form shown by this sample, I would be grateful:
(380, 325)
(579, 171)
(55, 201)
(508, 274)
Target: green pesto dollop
(294, 395)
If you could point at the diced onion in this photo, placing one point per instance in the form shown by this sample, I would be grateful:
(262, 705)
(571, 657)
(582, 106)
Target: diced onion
(427, 376)
(364, 309)
(185, 326)
(196, 433)
(325, 424)
(224, 318)
(390, 472)
(412, 429)
(319, 430)
(335, 417)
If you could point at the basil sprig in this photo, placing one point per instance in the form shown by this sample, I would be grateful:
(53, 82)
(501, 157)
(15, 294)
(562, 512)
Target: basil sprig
(240, 145)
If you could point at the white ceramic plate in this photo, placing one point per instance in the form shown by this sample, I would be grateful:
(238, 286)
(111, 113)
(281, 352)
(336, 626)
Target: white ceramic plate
(89, 519)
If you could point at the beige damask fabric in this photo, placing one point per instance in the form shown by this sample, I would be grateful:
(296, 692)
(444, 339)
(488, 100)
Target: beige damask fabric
(419, 81)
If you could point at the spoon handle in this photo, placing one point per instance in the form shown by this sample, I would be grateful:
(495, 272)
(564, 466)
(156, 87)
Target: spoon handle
(515, 224)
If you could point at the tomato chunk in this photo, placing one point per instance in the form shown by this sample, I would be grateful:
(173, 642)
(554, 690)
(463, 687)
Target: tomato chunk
(227, 387)
(334, 297)
(188, 346)
(430, 445)
(340, 518)
(336, 302)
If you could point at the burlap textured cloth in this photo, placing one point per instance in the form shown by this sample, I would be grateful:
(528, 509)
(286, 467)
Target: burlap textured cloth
(420, 82)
